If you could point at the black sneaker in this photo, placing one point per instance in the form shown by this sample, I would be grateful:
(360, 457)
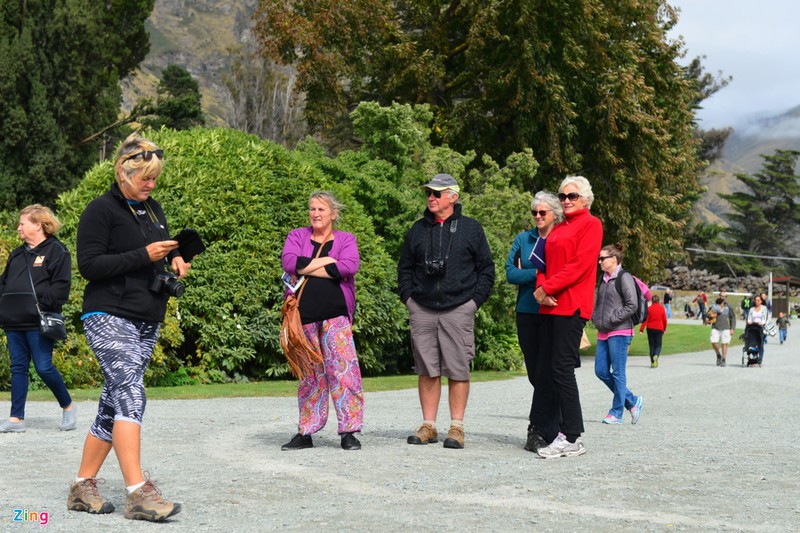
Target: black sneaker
(719, 360)
(298, 442)
(535, 440)
(350, 442)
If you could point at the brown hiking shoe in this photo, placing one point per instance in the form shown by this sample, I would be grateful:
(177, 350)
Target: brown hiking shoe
(455, 438)
(83, 496)
(146, 503)
(425, 434)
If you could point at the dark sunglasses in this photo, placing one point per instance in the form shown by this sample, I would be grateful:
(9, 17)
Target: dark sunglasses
(146, 155)
(604, 257)
(572, 196)
(542, 213)
(436, 194)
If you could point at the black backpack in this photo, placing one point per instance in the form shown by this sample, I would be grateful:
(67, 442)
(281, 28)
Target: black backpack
(640, 314)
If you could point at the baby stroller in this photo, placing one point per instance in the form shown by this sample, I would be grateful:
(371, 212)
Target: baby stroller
(753, 338)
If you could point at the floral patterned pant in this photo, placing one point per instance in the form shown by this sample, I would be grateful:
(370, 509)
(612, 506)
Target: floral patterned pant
(338, 375)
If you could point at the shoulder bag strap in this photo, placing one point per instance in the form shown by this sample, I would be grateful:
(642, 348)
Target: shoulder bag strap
(319, 251)
(33, 289)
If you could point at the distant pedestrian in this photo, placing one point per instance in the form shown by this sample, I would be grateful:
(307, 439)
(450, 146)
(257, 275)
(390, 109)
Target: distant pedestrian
(783, 326)
(668, 302)
(747, 303)
(759, 315)
(656, 325)
(701, 299)
(723, 324)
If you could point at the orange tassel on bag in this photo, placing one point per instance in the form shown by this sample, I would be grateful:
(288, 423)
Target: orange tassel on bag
(300, 354)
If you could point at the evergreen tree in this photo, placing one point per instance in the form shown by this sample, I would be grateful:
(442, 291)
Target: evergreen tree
(60, 66)
(766, 217)
(178, 104)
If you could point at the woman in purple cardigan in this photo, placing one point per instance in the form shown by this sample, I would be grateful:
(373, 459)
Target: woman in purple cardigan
(326, 311)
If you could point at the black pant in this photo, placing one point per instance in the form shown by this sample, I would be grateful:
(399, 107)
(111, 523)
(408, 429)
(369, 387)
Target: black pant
(562, 335)
(654, 338)
(545, 415)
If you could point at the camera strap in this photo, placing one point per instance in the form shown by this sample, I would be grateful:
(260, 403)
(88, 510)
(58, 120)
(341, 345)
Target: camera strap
(453, 229)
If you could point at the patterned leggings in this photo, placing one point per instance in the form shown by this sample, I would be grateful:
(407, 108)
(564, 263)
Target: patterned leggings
(338, 375)
(123, 348)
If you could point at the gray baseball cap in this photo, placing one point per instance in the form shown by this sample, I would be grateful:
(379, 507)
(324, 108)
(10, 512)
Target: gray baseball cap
(441, 182)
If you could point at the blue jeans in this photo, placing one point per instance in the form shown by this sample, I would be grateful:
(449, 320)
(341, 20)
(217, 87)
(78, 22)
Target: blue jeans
(668, 307)
(609, 365)
(782, 335)
(22, 347)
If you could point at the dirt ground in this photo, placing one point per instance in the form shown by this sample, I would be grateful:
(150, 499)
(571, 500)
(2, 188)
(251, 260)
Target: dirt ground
(717, 449)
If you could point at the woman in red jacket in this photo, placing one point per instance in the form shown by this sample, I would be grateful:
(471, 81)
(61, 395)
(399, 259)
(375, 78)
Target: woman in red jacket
(566, 295)
(656, 325)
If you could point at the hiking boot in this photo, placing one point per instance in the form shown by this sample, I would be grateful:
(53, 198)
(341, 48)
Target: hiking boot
(13, 427)
(298, 442)
(455, 438)
(723, 363)
(146, 503)
(561, 447)
(350, 442)
(426, 434)
(719, 360)
(636, 410)
(69, 419)
(535, 440)
(83, 496)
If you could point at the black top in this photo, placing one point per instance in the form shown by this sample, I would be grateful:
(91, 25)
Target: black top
(51, 270)
(322, 298)
(112, 239)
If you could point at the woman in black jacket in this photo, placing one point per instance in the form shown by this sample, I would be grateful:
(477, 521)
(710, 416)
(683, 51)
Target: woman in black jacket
(42, 262)
(123, 250)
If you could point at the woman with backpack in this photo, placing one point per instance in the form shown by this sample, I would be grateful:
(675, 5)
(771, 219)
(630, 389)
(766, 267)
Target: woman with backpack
(616, 304)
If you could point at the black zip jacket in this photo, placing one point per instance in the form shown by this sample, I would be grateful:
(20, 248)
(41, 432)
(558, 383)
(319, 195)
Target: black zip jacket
(112, 256)
(469, 268)
(51, 271)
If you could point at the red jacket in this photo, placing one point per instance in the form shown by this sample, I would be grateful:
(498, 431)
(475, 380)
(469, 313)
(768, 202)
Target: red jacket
(570, 254)
(656, 318)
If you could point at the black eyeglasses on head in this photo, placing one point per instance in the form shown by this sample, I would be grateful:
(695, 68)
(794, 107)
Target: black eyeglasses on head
(571, 196)
(146, 155)
(436, 194)
(542, 213)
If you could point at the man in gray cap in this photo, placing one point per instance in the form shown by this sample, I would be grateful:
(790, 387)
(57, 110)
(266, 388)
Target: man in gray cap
(444, 275)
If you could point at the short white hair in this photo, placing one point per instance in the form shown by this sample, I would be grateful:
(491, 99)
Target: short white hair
(583, 186)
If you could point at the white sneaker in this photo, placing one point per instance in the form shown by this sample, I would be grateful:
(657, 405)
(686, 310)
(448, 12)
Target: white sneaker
(561, 447)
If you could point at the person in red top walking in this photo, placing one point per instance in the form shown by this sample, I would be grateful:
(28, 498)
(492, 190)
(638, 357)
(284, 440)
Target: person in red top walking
(566, 295)
(656, 325)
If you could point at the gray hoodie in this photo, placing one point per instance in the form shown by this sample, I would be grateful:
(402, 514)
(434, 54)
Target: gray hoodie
(612, 310)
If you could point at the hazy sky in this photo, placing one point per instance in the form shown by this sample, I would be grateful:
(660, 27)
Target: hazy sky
(756, 42)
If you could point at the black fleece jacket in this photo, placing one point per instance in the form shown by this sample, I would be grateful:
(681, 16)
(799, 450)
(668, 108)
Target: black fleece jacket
(469, 271)
(112, 256)
(51, 271)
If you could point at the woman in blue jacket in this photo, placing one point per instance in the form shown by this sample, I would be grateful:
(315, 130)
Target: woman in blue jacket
(525, 259)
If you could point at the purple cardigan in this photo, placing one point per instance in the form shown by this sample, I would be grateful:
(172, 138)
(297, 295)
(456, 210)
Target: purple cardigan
(344, 250)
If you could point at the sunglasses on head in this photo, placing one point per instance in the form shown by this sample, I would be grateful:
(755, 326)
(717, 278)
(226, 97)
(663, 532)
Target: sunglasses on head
(571, 196)
(436, 194)
(146, 155)
(542, 213)
(603, 258)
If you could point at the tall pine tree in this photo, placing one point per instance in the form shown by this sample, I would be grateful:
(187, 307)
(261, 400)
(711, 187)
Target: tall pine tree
(60, 66)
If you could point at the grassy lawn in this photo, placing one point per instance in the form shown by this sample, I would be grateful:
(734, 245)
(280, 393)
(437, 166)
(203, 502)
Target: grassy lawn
(679, 338)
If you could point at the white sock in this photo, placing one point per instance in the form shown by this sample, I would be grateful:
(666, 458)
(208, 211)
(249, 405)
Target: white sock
(79, 479)
(132, 488)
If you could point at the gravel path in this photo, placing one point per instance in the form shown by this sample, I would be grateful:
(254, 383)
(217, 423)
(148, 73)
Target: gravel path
(717, 449)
